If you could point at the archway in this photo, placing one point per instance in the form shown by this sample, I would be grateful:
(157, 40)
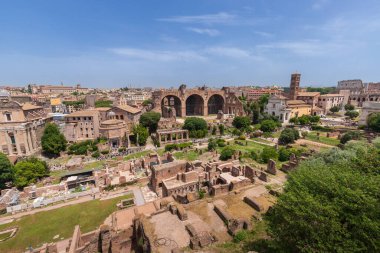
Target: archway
(194, 105)
(171, 106)
(215, 104)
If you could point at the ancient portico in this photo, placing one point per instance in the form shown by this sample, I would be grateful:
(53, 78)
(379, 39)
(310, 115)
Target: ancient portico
(166, 136)
(202, 101)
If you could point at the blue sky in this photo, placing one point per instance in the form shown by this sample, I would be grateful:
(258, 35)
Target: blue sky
(165, 43)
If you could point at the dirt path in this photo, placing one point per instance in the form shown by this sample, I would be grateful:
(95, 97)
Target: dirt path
(313, 143)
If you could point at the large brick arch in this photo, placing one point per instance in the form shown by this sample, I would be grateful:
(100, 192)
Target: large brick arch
(202, 107)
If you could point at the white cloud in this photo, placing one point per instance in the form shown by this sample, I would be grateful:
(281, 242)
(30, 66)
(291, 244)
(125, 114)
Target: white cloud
(303, 48)
(218, 18)
(232, 52)
(209, 32)
(153, 55)
(319, 4)
(264, 34)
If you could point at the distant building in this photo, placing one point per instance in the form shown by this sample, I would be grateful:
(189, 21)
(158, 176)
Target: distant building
(82, 125)
(368, 109)
(21, 128)
(58, 89)
(354, 86)
(294, 86)
(327, 101)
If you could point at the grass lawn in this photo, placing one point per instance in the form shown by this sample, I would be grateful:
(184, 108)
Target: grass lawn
(39, 228)
(5, 235)
(93, 165)
(251, 146)
(312, 136)
(136, 155)
(188, 156)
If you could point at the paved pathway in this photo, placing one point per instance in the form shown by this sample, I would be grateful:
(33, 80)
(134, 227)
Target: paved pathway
(318, 144)
(139, 197)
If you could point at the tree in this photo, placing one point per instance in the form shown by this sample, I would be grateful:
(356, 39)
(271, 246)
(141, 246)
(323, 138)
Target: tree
(141, 134)
(268, 153)
(226, 153)
(52, 141)
(214, 129)
(150, 120)
(288, 135)
(338, 212)
(221, 129)
(352, 135)
(29, 171)
(212, 144)
(304, 120)
(241, 122)
(373, 122)
(196, 126)
(268, 125)
(334, 109)
(349, 107)
(352, 114)
(148, 102)
(103, 103)
(6, 170)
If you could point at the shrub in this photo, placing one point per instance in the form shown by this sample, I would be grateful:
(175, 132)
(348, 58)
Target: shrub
(349, 107)
(240, 236)
(150, 120)
(214, 130)
(196, 126)
(141, 134)
(221, 129)
(95, 154)
(242, 137)
(253, 155)
(288, 135)
(29, 171)
(226, 153)
(373, 122)
(241, 122)
(353, 135)
(352, 114)
(268, 125)
(221, 142)
(268, 153)
(105, 152)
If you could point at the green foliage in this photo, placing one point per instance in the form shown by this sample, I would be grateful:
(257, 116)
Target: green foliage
(241, 236)
(268, 153)
(141, 134)
(305, 120)
(6, 170)
(95, 154)
(150, 120)
(52, 141)
(288, 135)
(373, 121)
(103, 103)
(253, 155)
(201, 194)
(178, 146)
(214, 129)
(148, 102)
(268, 125)
(212, 144)
(241, 122)
(29, 171)
(349, 107)
(352, 135)
(226, 153)
(221, 129)
(105, 152)
(334, 109)
(336, 212)
(321, 128)
(196, 126)
(322, 90)
(285, 153)
(352, 114)
(76, 104)
(81, 148)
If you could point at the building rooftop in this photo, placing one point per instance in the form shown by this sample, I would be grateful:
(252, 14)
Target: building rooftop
(128, 108)
(332, 95)
(28, 106)
(83, 113)
(308, 94)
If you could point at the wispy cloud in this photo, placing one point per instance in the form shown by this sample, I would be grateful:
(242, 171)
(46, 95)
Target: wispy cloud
(302, 48)
(188, 55)
(209, 32)
(319, 4)
(232, 52)
(153, 55)
(264, 34)
(218, 18)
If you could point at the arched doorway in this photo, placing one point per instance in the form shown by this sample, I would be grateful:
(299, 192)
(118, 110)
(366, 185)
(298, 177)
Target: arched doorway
(215, 104)
(171, 106)
(194, 105)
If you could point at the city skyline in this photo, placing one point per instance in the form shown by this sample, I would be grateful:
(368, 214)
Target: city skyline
(218, 43)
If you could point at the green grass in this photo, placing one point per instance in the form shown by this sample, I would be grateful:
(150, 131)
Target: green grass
(93, 165)
(312, 136)
(136, 155)
(188, 156)
(39, 228)
(5, 235)
(243, 148)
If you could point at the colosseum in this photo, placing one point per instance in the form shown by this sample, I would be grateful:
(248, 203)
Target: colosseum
(202, 101)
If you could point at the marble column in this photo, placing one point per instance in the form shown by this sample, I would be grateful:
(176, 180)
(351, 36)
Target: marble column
(26, 143)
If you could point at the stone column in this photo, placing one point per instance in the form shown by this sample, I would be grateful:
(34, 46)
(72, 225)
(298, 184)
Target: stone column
(18, 143)
(205, 110)
(31, 144)
(26, 143)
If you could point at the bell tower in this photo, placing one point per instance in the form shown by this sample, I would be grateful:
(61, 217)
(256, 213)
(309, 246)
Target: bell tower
(294, 86)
